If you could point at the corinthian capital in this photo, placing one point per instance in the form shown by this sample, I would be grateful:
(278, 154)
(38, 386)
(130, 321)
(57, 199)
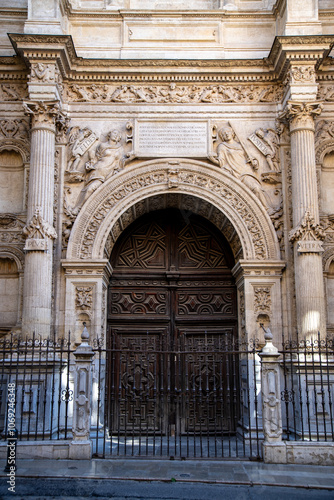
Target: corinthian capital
(42, 112)
(301, 114)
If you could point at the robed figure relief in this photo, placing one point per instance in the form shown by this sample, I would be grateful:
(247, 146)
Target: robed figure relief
(232, 156)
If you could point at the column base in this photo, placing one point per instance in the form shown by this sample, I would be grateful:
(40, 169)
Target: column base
(80, 450)
(274, 453)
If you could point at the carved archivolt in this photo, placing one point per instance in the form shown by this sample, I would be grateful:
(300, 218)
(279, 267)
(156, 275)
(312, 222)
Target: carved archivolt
(13, 253)
(101, 214)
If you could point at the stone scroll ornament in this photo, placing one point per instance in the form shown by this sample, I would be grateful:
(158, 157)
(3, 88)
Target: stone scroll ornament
(232, 156)
(37, 233)
(92, 161)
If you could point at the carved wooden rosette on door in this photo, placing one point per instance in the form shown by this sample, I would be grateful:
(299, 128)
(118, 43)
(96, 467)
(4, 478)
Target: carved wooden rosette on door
(172, 318)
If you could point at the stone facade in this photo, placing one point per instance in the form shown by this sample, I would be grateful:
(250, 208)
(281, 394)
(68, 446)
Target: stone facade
(111, 109)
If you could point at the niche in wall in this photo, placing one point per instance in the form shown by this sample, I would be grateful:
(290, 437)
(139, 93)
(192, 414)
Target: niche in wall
(11, 182)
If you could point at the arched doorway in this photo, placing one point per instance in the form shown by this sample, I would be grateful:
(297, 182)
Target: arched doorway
(171, 313)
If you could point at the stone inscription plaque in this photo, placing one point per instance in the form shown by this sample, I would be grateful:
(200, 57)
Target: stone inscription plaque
(171, 139)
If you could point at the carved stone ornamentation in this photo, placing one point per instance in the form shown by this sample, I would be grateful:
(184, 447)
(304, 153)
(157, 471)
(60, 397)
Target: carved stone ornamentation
(262, 299)
(94, 165)
(267, 142)
(308, 234)
(43, 112)
(232, 156)
(326, 93)
(302, 74)
(41, 72)
(37, 232)
(11, 92)
(14, 129)
(84, 298)
(300, 113)
(174, 93)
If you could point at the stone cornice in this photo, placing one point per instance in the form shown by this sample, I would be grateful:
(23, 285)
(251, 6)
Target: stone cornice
(300, 49)
(286, 49)
(120, 14)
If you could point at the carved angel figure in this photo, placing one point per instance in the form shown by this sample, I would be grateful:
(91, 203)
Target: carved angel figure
(271, 140)
(108, 159)
(80, 140)
(232, 156)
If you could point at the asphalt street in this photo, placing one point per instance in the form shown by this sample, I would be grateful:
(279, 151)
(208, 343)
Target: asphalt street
(61, 488)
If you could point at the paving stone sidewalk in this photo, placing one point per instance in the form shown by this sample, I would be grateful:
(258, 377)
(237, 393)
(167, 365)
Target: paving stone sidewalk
(199, 471)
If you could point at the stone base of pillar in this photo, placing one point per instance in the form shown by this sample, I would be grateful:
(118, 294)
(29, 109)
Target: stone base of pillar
(274, 453)
(80, 450)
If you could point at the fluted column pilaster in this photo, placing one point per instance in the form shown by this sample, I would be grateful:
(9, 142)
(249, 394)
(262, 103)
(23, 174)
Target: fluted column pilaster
(39, 231)
(307, 235)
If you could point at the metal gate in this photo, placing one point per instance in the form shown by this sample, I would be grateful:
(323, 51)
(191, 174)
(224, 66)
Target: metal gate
(198, 399)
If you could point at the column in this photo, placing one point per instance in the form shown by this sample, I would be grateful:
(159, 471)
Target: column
(39, 231)
(307, 235)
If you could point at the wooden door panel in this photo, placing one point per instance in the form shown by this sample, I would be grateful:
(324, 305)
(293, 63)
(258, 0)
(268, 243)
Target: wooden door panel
(137, 378)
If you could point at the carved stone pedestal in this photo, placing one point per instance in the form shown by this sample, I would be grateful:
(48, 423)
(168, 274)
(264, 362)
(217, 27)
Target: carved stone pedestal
(81, 446)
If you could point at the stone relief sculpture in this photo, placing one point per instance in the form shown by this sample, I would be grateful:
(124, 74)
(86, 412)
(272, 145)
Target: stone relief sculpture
(91, 161)
(174, 93)
(232, 156)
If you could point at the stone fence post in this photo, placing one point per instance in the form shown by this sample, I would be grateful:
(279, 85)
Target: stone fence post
(274, 449)
(81, 446)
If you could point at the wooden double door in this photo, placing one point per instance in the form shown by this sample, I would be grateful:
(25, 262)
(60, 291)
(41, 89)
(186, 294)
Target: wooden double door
(172, 317)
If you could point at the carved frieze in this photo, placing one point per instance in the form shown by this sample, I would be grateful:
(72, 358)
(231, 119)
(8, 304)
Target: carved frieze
(302, 74)
(175, 93)
(14, 129)
(13, 92)
(42, 72)
(326, 92)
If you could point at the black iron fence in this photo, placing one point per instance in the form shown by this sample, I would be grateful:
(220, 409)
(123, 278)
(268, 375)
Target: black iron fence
(40, 399)
(200, 398)
(308, 389)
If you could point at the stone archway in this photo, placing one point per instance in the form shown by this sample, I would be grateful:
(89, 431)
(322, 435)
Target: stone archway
(101, 215)
(188, 185)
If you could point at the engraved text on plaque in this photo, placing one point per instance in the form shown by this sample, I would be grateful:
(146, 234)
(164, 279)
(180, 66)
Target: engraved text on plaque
(171, 139)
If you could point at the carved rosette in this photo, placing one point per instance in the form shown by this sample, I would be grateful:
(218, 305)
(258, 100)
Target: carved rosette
(308, 234)
(301, 115)
(37, 233)
(43, 113)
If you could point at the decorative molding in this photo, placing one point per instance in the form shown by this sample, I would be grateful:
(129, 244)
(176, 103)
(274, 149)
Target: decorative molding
(174, 93)
(308, 235)
(42, 112)
(13, 92)
(262, 299)
(84, 298)
(37, 231)
(302, 74)
(300, 113)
